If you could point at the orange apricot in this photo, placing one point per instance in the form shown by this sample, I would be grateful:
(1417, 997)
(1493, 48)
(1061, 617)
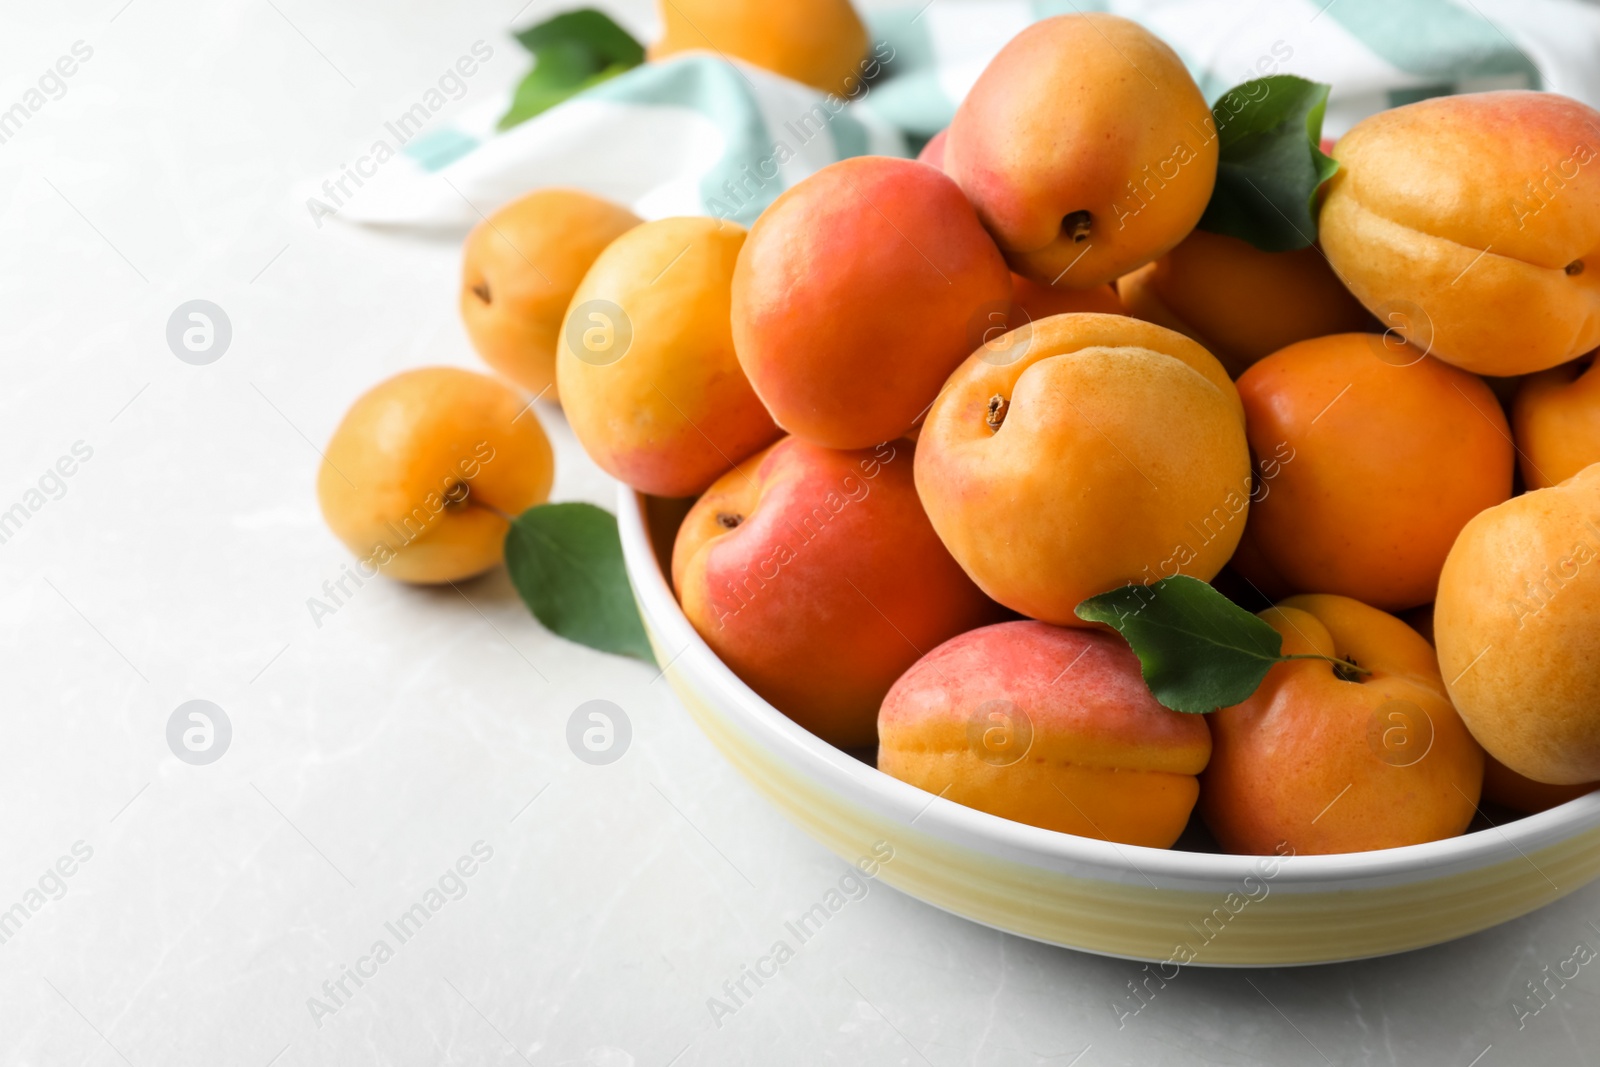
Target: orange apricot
(1471, 224)
(1323, 759)
(648, 375)
(1075, 189)
(1556, 421)
(423, 469)
(815, 576)
(519, 269)
(821, 43)
(1083, 452)
(1048, 726)
(1240, 302)
(1393, 452)
(1504, 786)
(857, 293)
(1517, 625)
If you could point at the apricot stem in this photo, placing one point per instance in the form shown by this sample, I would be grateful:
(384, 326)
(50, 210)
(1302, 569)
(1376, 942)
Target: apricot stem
(728, 520)
(1076, 226)
(1575, 267)
(995, 414)
(1342, 667)
(481, 291)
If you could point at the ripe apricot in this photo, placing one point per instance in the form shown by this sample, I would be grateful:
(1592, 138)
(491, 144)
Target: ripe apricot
(1086, 147)
(816, 578)
(1240, 302)
(857, 294)
(1031, 300)
(519, 269)
(648, 376)
(1047, 726)
(1328, 760)
(1556, 421)
(821, 43)
(1504, 786)
(1083, 452)
(423, 469)
(1471, 224)
(1036, 300)
(1517, 624)
(1393, 452)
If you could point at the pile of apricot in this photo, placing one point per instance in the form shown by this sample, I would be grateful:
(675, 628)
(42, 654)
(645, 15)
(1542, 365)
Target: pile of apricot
(925, 408)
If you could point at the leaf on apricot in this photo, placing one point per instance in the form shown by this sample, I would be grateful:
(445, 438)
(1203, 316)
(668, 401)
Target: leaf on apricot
(571, 52)
(1198, 650)
(566, 562)
(1271, 162)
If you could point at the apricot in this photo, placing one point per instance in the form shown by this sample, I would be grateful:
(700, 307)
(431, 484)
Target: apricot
(1504, 786)
(1047, 726)
(821, 43)
(1032, 300)
(1556, 421)
(424, 469)
(1471, 224)
(856, 295)
(1086, 147)
(1240, 302)
(1037, 300)
(1517, 624)
(933, 152)
(1083, 452)
(648, 376)
(1324, 759)
(1393, 452)
(815, 576)
(519, 269)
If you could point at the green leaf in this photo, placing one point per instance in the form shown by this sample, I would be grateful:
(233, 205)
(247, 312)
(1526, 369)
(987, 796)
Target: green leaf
(1271, 162)
(1199, 651)
(566, 562)
(571, 52)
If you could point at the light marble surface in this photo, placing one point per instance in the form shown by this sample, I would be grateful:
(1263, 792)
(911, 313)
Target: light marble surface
(373, 751)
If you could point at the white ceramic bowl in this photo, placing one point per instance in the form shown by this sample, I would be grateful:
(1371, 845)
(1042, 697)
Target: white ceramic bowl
(1120, 900)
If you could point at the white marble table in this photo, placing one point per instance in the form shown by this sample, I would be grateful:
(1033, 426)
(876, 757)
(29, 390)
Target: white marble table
(208, 904)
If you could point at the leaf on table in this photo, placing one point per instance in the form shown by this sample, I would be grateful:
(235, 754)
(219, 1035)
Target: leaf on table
(1271, 162)
(1198, 650)
(566, 562)
(571, 52)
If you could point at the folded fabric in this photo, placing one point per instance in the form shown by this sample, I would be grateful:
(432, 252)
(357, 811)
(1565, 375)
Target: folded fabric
(698, 134)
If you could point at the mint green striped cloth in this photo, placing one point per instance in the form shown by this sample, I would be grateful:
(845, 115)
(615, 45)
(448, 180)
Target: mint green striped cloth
(698, 134)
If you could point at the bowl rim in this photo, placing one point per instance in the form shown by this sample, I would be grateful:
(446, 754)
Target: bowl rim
(869, 787)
